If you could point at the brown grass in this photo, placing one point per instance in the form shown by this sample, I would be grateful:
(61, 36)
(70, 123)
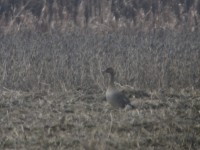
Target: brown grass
(56, 61)
(101, 15)
(52, 90)
(75, 120)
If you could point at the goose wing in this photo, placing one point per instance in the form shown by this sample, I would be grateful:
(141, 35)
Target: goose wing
(122, 97)
(118, 99)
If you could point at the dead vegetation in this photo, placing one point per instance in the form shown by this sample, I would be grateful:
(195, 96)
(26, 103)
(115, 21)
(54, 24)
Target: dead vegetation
(161, 59)
(52, 90)
(101, 15)
(51, 86)
(74, 120)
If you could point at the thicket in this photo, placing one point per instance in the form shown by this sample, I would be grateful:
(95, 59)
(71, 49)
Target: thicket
(103, 15)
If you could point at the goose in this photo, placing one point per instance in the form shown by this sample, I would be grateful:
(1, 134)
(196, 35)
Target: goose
(116, 98)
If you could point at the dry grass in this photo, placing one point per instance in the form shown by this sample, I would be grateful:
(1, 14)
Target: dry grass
(57, 61)
(52, 90)
(103, 15)
(75, 120)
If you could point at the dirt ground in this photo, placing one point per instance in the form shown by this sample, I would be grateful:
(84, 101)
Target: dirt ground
(80, 120)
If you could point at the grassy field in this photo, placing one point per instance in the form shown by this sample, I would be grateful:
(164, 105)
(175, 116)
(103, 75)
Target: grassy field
(76, 120)
(52, 92)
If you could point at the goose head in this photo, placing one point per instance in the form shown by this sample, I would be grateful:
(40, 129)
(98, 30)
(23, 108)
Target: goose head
(112, 74)
(110, 71)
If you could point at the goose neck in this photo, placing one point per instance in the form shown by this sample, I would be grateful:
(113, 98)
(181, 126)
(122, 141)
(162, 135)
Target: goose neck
(111, 79)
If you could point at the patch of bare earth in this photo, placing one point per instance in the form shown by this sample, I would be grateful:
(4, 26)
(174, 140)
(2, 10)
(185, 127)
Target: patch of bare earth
(76, 120)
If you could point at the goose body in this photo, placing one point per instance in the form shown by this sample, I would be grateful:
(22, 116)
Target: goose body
(113, 95)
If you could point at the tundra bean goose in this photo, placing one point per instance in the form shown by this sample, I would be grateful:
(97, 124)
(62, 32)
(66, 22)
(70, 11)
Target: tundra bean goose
(113, 95)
